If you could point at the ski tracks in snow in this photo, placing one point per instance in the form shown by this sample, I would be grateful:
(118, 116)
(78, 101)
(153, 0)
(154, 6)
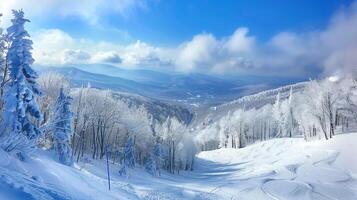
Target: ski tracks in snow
(280, 169)
(275, 169)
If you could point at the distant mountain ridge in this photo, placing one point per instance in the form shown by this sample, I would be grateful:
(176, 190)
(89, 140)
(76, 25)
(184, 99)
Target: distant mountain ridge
(148, 83)
(189, 89)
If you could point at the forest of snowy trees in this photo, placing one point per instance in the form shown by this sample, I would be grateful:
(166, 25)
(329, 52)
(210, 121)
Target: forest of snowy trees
(319, 110)
(80, 123)
(85, 123)
(103, 123)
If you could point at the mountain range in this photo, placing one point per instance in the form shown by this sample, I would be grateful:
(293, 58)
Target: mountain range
(190, 89)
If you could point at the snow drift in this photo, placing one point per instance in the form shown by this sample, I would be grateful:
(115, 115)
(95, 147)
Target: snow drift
(285, 168)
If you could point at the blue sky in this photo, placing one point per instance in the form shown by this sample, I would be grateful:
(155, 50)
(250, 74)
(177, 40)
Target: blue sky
(245, 36)
(169, 22)
(173, 21)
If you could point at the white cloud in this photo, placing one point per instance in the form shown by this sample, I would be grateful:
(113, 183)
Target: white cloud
(200, 51)
(49, 46)
(240, 42)
(340, 40)
(206, 53)
(75, 56)
(331, 49)
(328, 50)
(141, 54)
(107, 57)
(55, 47)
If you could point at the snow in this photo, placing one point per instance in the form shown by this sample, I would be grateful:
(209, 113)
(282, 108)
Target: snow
(346, 146)
(284, 168)
(333, 78)
(289, 169)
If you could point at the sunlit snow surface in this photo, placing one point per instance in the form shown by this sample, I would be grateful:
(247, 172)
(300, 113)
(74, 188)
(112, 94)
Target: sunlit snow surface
(274, 169)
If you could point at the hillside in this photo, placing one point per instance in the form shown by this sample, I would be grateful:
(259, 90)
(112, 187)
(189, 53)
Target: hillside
(185, 89)
(178, 100)
(274, 169)
(252, 101)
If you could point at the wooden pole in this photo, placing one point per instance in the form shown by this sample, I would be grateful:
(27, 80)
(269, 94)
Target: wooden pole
(106, 153)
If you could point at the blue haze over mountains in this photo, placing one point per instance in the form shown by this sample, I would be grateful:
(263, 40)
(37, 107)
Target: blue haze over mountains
(191, 89)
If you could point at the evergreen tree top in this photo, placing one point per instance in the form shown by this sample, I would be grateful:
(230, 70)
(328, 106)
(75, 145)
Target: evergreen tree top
(20, 107)
(19, 54)
(17, 28)
(63, 106)
(63, 97)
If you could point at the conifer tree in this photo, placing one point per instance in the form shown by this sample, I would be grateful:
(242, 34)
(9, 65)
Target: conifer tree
(129, 157)
(2, 49)
(62, 128)
(153, 163)
(21, 111)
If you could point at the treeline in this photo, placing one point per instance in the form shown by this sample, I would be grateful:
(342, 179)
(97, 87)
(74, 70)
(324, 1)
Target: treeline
(321, 109)
(104, 124)
(80, 123)
(84, 123)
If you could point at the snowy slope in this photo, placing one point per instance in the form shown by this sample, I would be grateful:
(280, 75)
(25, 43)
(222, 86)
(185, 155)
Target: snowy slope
(286, 168)
(44, 178)
(256, 100)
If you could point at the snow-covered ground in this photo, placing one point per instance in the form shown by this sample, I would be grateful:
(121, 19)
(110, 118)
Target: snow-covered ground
(275, 169)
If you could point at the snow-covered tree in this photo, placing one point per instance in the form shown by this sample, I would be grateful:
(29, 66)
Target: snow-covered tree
(21, 112)
(4, 67)
(172, 133)
(151, 166)
(155, 159)
(352, 97)
(186, 151)
(62, 128)
(289, 121)
(321, 99)
(51, 84)
(279, 116)
(157, 156)
(129, 157)
(2, 50)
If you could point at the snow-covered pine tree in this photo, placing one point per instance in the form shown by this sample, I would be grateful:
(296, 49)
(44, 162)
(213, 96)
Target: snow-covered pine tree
(153, 163)
(21, 110)
(62, 128)
(2, 49)
(129, 157)
(3, 65)
(158, 157)
(150, 165)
